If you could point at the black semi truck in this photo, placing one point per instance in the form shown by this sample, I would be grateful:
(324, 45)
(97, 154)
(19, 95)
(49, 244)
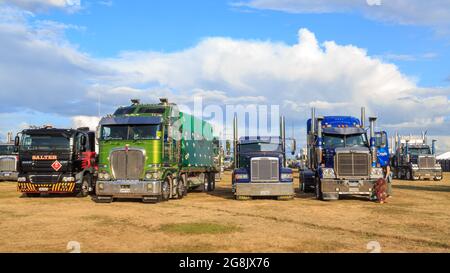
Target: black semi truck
(56, 161)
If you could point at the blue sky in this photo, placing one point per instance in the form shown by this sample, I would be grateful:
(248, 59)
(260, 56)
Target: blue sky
(60, 56)
(171, 25)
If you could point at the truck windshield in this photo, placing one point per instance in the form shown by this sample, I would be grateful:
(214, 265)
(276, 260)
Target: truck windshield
(130, 132)
(6, 149)
(260, 147)
(420, 151)
(335, 141)
(44, 142)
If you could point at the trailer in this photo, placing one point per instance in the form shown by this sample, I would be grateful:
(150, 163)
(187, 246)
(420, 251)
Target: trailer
(154, 152)
(414, 159)
(342, 159)
(260, 166)
(56, 161)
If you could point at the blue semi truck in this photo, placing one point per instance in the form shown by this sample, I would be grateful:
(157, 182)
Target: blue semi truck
(342, 158)
(260, 166)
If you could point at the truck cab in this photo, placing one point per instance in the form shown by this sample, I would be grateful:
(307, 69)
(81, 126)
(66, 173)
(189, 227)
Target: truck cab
(414, 159)
(8, 162)
(56, 161)
(342, 158)
(260, 167)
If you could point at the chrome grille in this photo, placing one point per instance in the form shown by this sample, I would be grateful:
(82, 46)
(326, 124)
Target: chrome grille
(127, 165)
(264, 169)
(426, 162)
(8, 164)
(353, 164)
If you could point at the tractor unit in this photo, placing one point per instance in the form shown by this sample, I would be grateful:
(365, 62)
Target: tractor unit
(342, 159)
(8, 160)
(154, 152)
(260, 166)
(60, 161)
(414, 159)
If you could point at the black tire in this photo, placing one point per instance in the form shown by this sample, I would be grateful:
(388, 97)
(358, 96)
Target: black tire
(181, 187)
(212, 184)
(85, 184)
(165, 189)
(206, 182)
(408, 175)
(319, 195)
(102, 201)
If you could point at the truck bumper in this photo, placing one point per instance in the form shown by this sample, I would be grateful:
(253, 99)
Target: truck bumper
(60, 187)
(264, 189)
(422, 174)
(9, 176)
(128, 189)
(332, 189)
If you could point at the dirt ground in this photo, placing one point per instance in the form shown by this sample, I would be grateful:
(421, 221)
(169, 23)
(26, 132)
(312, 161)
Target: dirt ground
(416, 219)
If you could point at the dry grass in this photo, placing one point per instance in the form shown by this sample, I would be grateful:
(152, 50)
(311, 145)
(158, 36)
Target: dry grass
(416, 219)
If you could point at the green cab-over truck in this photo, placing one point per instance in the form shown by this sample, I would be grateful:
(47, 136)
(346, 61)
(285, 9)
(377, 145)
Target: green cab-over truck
(154, 152)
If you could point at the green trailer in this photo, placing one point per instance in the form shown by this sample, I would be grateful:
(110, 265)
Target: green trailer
(154, 152)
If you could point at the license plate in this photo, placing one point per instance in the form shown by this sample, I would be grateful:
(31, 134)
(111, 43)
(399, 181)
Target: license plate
(353, 189)
(265, 192)
(43, 189)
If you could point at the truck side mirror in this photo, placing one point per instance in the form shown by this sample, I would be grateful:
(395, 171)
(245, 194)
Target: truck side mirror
(83, 141)
(17, 141)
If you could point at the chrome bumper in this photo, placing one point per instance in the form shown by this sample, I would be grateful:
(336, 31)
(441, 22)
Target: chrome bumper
(331, 187)
(427, 173)
(9, 176)
(128, 189)
(264, 189)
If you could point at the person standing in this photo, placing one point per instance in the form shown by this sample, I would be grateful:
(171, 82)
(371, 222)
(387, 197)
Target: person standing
(387, 174)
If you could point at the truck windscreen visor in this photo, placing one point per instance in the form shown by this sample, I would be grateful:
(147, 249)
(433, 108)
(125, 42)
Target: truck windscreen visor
(336, 141)
(130, 120)
(130, 132)
(260, 147)
(45, 142)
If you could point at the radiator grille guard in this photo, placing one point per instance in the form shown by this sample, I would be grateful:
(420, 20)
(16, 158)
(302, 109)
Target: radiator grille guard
(127, 165)
(427, 162)
(352, 165)
(264, 169)
(8, 164)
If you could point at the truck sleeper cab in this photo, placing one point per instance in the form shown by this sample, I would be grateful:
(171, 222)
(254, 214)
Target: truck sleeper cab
(56, 161)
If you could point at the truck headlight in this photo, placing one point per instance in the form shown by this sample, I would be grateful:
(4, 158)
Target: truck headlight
(152, 175)
(22, 179)
(328, 173)
(286, 176)
(241, 176)
(68, 179)
(376, 172)
(104, 176)
(414, 166)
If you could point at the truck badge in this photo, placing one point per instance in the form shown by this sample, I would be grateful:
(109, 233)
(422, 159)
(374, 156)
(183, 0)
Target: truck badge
(56, 165)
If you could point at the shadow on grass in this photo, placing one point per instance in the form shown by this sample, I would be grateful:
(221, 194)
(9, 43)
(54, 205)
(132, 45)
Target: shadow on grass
(423, 188)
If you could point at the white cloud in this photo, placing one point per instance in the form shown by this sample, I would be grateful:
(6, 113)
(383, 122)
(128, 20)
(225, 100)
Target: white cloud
(40, 71)
(434, 13)
(85, 121)
(43, 5)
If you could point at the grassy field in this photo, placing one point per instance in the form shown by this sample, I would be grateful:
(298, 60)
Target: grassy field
(416, 219)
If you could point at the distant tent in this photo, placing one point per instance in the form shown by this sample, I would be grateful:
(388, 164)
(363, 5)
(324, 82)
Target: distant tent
(443, 156)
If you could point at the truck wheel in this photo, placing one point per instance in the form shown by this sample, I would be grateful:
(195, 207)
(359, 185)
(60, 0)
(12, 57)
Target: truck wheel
(181, 187)
(408, 175)
(208, 183)
(319, 195)
(85, 184)
(212, 179)
(165, 189)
